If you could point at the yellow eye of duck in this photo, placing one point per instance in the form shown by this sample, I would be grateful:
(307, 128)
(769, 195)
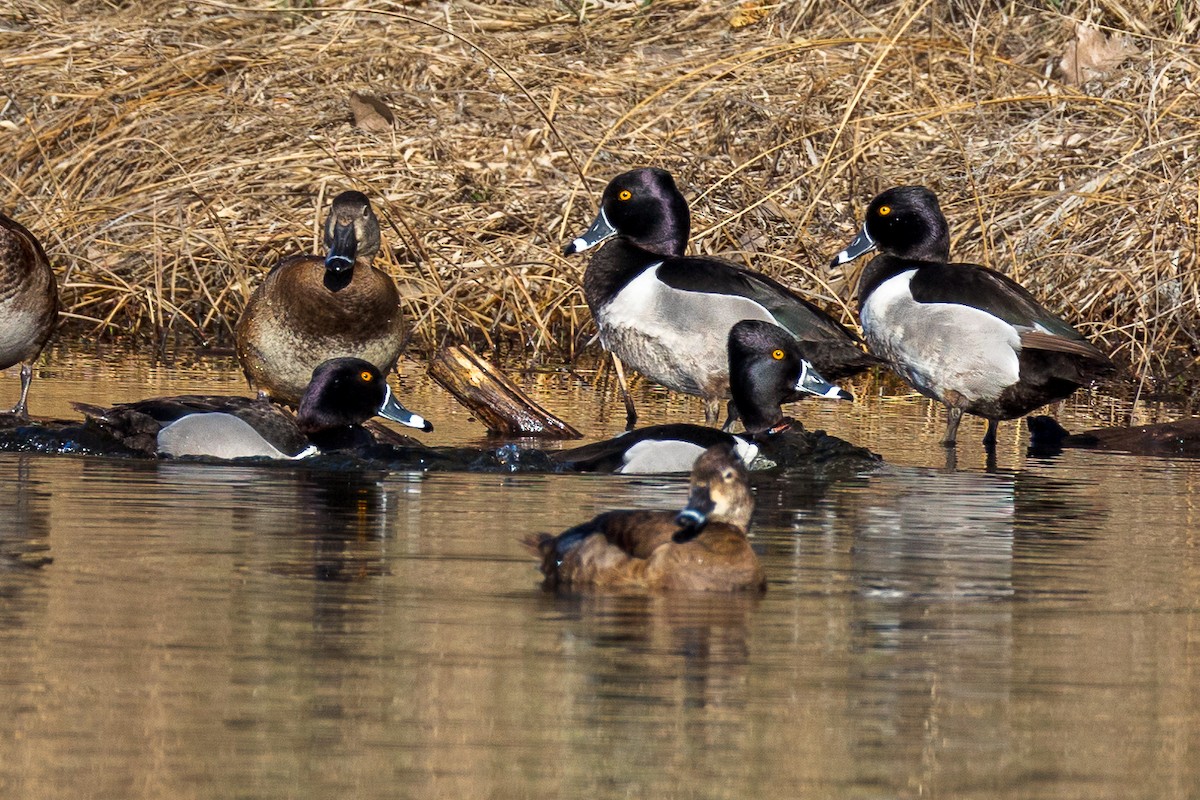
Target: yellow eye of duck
(624, 194)
(366, 375)
(885, 210)
(777, 355)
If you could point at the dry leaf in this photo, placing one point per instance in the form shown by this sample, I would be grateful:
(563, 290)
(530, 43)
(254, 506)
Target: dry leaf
(370, 113)
(749, 13)
(1093, 53)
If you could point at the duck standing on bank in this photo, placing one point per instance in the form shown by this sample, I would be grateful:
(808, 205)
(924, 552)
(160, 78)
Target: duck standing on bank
(342, 394)
(28, 303)
(766, 370)
(667, 315)
(960, 333)
(310, 309)
(701, 548)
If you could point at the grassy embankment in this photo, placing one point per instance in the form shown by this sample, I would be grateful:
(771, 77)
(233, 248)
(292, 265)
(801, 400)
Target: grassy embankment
(167, 153)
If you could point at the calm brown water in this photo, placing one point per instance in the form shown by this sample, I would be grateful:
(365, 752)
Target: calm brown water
(252, 632)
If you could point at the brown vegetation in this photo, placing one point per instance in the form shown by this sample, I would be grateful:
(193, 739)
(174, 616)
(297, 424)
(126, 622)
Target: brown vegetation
(168, 152)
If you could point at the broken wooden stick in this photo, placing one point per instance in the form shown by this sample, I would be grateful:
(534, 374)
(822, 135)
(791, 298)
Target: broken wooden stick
(493, 398)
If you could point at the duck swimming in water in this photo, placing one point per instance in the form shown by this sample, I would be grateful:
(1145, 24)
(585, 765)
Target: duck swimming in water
(702, 547)
(342, 394)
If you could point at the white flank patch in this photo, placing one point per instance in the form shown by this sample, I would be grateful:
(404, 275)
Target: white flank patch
(939, 347)
(217, 435)
(652, 456)
(673, 337)
(659, 455)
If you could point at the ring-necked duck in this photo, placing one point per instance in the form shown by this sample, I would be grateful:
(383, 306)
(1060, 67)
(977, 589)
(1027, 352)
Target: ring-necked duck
(342, 395)
(702, 547)
(960, 333)
(667, 315)
(310, 309)
(28, 303)
(766, 370)
(1178, 438)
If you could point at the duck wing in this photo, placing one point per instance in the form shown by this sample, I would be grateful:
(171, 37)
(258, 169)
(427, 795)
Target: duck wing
(609, 455)
(137, 424)
(716, 276)
(615, 557)
(989, 291)
(831, 347)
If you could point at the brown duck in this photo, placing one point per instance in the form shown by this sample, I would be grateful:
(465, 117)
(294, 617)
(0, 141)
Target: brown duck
(701, 548)
(28, 303)
(311, 309)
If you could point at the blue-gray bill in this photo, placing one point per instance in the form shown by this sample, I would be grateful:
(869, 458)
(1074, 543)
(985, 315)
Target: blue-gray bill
(391, 409)
(862, 243)
(343, 249)
(600, 230)
(811, 382)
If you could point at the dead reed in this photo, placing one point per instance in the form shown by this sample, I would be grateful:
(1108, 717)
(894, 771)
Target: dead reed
(168, 152)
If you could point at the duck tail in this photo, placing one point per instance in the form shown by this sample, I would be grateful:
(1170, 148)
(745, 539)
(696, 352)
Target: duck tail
(535, 542)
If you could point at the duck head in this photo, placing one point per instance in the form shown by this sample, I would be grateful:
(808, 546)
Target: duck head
(351, 232)
(906, 222)
(347, 392)
(766, 370)
(645, 207)
(720, 492)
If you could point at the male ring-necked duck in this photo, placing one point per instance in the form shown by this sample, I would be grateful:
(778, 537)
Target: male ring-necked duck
(1178, 438)
(702, 547)
(960, 333)
(28, 303)
(342, 395)
(667, 315)
(310, 309)
(766, 370)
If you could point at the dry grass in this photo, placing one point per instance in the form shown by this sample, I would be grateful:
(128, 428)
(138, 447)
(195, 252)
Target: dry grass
(168, 152)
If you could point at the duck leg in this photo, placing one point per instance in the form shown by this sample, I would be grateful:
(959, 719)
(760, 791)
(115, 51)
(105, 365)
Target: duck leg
(26, 378)
(712, 411)
(953, 417)
(731, 416)
(989, 438)
(630, 411)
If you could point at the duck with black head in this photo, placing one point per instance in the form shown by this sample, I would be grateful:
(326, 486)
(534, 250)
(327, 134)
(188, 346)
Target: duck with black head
(342, 394)
(1179, 438)
(28, 303)
(667, 314)
(310, 309)
(702, 547)
(960, 333)
(766, 369)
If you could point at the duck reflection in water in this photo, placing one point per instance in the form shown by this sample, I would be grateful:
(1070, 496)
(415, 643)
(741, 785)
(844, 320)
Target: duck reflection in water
(342, 523)
(944, 570)
(24, 519)
(664, 653)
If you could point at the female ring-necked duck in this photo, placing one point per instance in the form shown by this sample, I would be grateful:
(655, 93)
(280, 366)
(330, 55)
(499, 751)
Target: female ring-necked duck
(766, 370)
(310, 309)
(960, 333)
(1178, 438)
(28, 303)
(667, 315)
(702, 547)
(342, 395)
